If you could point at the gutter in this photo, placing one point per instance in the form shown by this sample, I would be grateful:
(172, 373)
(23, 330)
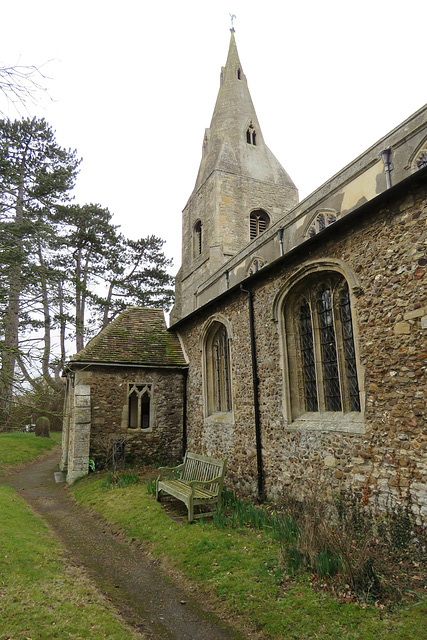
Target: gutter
(129, 365)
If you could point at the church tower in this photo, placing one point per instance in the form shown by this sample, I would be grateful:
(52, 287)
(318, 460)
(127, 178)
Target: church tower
(241, 189)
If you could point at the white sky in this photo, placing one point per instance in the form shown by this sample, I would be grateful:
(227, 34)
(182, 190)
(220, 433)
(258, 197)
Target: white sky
(134, 83)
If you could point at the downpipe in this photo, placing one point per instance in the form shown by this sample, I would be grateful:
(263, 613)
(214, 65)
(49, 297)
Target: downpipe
(184, 412)
(255, 381)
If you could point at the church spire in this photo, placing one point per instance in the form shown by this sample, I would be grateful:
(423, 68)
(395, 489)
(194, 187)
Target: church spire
(234, 142)
(241, 189)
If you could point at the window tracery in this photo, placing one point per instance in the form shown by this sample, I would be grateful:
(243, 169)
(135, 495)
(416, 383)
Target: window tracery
(256, 265)
(320, 222)
(139, 402)
(320, 344)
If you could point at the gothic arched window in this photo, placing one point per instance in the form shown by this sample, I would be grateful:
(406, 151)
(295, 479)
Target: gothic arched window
(320, 346)
(320, 222)
(255, 266)
(217, 368)
(139, 414)
(258, 222)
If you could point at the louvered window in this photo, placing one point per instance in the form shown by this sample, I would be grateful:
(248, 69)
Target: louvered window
(259, 222)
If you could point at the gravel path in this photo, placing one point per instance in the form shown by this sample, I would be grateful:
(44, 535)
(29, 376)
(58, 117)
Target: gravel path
(142, 592)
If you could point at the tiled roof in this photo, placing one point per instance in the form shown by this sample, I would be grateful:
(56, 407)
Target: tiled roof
(137, 336)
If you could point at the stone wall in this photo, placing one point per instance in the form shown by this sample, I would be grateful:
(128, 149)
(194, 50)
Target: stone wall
(383, 254)
(76, 435)
(109, 412)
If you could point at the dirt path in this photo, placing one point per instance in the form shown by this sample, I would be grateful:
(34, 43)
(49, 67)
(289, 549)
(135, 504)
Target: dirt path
(141, 592)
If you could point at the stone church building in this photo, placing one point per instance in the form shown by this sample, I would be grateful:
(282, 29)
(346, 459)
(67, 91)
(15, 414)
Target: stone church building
(299, 328)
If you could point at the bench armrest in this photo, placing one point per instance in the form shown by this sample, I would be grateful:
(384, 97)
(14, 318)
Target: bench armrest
(167, 472)
(205, 483)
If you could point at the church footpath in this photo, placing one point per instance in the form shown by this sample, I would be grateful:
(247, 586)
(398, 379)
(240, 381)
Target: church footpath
(141, 592)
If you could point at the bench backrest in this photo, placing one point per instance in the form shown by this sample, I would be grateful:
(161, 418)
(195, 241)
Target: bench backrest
(202, 468)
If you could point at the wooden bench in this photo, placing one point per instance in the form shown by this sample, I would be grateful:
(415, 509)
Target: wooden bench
(197, 481)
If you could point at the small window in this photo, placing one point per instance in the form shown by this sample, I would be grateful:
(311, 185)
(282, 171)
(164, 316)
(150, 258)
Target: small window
(259, 222)
(197, 239)
(251, 135)
(139, 398)
(239, 74)
(255, 266)
(321, 221)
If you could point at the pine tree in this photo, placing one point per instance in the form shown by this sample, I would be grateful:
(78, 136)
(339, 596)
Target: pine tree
(35, 175)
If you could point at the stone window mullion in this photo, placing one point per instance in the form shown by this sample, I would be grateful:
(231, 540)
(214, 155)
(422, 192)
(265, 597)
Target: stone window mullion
(318, 355)
(349, 367)
(340, 349)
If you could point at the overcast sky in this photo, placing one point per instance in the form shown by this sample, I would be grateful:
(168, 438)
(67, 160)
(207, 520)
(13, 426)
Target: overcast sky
(133, 86)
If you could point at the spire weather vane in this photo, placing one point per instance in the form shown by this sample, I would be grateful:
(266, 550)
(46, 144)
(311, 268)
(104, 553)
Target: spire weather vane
(233, 17)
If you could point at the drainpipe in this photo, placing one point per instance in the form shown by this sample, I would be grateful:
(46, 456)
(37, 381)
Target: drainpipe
(256, 396)
(227, 279)
(184, 412)
(388, 167)
(280, 233)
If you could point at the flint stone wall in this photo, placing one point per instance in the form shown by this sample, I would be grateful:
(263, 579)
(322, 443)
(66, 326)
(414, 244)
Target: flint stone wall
(386, 457)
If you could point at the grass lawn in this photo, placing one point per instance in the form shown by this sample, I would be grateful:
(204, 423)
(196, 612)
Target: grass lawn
(19, 448)
(41, 598)
(241, 568)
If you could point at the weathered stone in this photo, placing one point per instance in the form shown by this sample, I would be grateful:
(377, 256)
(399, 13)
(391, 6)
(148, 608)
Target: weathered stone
(330, 461)
(401, 328)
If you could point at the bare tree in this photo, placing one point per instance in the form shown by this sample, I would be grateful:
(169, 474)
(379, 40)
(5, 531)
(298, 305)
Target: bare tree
(21, 84)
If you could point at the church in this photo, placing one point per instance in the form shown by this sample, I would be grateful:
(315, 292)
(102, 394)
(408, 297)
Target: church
(297, 343)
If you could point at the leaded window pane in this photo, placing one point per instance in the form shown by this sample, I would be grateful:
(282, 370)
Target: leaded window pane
(309, 368)
(349, 352)
(329, 352)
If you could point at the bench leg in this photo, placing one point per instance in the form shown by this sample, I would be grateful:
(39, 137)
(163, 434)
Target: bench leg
(190, 508)
(158, 492)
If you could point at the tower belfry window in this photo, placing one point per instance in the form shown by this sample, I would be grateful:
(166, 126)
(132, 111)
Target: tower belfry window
(251, 135)
(259, 221)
